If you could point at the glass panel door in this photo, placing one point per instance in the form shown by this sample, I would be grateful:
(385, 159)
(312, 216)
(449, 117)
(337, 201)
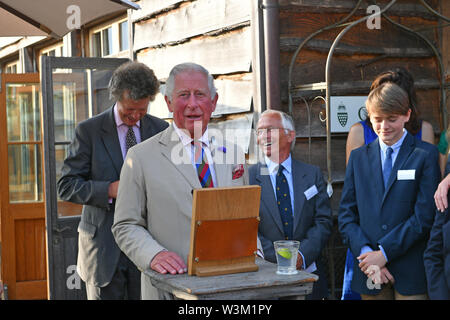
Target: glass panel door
(24, 143)
(73, 89)
(22, 214)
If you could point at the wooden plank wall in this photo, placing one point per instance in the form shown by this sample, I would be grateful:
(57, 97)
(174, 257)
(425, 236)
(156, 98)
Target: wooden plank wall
(215, 34)
(361, 55)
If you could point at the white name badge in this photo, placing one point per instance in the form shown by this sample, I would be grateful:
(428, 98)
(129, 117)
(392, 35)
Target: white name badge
(406, 174)
(311, 192)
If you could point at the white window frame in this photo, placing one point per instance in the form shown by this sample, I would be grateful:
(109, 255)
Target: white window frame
(58, 48)
(12, 64)
(115, 38)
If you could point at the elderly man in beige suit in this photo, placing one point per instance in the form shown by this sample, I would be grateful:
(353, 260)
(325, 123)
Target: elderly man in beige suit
(152, 222)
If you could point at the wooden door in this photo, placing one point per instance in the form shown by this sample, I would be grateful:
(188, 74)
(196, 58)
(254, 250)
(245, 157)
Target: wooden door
(22, 215)
(73, 89)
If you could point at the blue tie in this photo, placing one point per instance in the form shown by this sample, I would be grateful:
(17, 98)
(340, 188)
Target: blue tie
(284, 203)
(387, 166)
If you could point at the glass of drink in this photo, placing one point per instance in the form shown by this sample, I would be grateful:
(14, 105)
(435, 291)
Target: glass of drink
(286, 252)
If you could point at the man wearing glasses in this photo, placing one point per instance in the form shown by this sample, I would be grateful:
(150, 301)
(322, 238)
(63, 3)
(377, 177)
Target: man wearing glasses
(300, 212)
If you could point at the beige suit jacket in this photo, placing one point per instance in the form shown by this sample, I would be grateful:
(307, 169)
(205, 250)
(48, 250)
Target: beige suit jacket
(154, 202)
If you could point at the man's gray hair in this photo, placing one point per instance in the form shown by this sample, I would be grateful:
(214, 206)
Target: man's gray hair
(184, 67)
(286, 121)
(134, 78)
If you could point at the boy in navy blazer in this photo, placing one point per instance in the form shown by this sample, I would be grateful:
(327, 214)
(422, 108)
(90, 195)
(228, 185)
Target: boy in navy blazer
(387, 208)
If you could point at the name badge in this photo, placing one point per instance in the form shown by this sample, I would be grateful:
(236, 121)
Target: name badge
(406, 174)
(311, 192)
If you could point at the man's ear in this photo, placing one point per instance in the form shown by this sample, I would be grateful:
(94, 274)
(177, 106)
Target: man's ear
(214, 102)
(291, 135)
(169, 105)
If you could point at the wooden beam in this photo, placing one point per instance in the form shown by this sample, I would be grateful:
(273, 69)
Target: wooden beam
(353, 87)
(319, 154)
(197, 18)
(226, 54)
(413, 8)
(154, 7)
(291, 44)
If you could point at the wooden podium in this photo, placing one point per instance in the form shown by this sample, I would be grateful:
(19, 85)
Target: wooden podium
(224, 230)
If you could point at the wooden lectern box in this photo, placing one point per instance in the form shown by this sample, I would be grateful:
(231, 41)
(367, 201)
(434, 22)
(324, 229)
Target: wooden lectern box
(224, 230)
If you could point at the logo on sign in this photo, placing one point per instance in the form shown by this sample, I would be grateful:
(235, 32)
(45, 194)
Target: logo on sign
(362, 113)
(342, 115)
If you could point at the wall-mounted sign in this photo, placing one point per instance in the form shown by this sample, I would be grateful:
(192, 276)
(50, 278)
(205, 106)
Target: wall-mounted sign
(345, 111)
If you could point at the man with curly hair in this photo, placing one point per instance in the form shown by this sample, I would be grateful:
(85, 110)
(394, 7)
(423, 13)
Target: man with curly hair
(90, 176)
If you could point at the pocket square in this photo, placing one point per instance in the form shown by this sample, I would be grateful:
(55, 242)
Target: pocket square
(238, 171)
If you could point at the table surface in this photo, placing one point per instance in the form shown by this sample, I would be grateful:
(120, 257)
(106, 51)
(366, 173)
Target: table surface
(262, 284)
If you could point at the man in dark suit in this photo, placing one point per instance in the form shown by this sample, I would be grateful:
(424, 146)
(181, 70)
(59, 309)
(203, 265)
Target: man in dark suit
(386, 208)
(90, 176)
(437, 253)
(437, 258)
(308, 215)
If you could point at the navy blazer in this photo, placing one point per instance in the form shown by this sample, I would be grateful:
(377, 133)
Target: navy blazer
(398, 218)
(437, 257)
(312, 218)
(94, 160)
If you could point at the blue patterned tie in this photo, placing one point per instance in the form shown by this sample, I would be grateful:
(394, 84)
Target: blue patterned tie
(387, 166)
(284, 203)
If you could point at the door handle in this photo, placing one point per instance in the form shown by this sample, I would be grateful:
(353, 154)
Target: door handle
(59, 230)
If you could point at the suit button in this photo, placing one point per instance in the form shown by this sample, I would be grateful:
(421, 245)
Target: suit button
(384, 227)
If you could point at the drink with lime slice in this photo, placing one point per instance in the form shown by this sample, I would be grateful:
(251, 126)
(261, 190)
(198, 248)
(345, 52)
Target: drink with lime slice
(286, 252)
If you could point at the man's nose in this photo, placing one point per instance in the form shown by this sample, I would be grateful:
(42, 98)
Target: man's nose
(192, 101)
(135, 115)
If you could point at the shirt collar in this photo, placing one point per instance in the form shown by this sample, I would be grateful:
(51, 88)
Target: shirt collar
(119, 121)
(186, 139)
(396, 146)
(273, 166)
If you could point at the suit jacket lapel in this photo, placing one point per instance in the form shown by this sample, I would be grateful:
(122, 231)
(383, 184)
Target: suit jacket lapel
(300, 186)
(268, 197)
(171, 146)
(146, 128)
(405, 150)
(111, 140)
(374, 160)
